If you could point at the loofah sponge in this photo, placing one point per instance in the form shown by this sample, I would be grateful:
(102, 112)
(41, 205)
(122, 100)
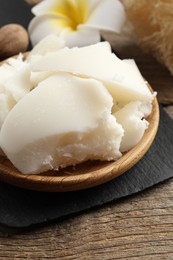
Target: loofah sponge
(153, 27)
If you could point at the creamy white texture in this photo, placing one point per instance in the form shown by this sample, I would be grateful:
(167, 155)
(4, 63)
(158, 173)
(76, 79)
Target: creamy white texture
(65, 120)
(15, 83)
(122, 79)
(131, 117)
(64, 106)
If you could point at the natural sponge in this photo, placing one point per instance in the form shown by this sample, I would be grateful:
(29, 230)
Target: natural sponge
(153, 27)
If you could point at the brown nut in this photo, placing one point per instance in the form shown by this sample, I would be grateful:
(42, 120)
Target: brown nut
(13, 39)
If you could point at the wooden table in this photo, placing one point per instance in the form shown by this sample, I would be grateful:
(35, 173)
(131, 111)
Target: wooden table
(137, 227)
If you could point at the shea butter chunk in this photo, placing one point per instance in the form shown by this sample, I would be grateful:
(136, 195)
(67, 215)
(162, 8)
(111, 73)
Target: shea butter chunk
(48, 44)
(131, 117)
(124, 83)
(64, 121)
(15, 83)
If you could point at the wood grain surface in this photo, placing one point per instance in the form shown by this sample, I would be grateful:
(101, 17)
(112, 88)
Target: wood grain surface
(137, 227)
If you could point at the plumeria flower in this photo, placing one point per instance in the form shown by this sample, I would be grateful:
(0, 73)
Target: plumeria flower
(78, 22)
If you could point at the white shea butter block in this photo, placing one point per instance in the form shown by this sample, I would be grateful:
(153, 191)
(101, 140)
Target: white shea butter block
(122, 79)
(15, 83)
(64, 121)
(48, 44)
(131, 117)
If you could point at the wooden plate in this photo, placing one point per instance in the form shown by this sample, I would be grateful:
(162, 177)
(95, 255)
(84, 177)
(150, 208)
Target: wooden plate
(85, 175)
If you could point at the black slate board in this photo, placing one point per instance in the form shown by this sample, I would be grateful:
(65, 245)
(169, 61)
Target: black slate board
(23, 208)
(15, 11)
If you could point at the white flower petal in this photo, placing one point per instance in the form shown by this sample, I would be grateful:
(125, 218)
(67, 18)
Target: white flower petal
(108, 15)
(99, 14)
(62, 7)
(75, 11)
(80, 38)
(43, 25)
(76, 21)
(44, 7)
(91, 5)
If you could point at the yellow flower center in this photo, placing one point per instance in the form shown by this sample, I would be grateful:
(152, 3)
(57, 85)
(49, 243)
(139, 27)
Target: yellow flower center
(73, 11)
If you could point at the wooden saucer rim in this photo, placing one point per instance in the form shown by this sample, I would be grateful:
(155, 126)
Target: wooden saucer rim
(76, 179)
